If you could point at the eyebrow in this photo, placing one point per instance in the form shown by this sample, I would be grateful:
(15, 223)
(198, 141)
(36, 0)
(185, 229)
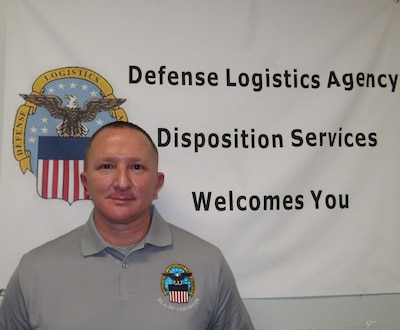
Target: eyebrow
(116, 157)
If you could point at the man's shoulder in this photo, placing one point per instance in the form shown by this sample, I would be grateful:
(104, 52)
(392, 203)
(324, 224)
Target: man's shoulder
(58, 246)
(191, 240)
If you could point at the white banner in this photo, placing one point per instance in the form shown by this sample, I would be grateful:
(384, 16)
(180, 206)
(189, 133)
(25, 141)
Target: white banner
(277, 124)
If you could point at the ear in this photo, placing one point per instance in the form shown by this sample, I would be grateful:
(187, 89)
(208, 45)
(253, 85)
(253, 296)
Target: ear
(159, 183)
(83, 177)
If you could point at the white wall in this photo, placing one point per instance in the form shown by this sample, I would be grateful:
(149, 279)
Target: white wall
(380, 312)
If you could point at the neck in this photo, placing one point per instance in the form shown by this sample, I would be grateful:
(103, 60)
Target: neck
(123, 234)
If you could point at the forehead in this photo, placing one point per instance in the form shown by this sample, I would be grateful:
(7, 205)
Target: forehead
(119, 139)
(105, 133)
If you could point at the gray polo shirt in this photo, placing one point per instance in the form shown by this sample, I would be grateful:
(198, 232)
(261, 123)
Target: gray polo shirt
(172, 280)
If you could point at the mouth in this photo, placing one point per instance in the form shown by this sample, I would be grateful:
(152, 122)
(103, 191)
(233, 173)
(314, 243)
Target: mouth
(122, 198)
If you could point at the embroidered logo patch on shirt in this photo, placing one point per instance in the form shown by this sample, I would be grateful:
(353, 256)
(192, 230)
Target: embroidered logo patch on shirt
(177, 283)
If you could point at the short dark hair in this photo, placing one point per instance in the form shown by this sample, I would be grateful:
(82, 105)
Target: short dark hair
(122, 124)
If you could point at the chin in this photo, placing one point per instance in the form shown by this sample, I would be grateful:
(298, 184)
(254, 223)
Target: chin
(121, 215)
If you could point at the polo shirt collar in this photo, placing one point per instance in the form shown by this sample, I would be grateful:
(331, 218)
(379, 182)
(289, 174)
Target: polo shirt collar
(159, 234)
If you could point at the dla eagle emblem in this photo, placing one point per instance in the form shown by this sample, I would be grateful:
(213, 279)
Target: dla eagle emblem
(177, 283)
(53, 127)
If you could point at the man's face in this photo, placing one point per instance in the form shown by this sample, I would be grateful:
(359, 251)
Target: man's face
(121, 176)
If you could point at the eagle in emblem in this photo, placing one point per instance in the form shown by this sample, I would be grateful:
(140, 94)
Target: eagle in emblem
(177, 277)
(72, 115)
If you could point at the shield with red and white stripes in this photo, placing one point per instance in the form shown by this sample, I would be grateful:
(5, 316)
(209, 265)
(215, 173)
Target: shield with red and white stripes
(179, 293)
(60, 162)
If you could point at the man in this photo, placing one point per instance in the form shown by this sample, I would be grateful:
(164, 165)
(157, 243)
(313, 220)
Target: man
(126, 268)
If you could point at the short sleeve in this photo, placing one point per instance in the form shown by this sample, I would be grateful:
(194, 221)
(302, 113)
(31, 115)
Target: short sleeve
(230, 313)
(13, 312)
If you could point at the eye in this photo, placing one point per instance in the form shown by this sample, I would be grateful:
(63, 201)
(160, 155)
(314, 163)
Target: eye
(106, 166)
(137, 167)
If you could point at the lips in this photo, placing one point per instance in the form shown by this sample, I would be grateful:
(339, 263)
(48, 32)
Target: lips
(122, 198)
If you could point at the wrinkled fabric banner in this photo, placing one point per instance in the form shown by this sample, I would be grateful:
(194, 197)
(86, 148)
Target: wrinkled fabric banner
(277, 124)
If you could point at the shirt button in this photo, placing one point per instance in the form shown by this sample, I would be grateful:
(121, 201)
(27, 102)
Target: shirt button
(124, 265)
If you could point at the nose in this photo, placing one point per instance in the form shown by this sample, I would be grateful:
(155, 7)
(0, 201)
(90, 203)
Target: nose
(123, 179)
